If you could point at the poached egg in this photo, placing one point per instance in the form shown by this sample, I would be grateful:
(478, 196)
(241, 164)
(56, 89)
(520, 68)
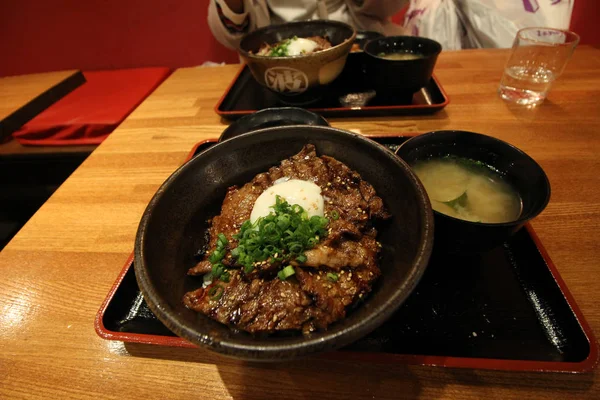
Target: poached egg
(295, 191)
(299, 46)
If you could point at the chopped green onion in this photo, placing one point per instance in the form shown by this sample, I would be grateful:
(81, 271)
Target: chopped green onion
(333, 277)
(286, 272)
(295, 247)
(215, 292)
(281, 50)
(335, 215)
(217, 270)
(221, 240)
(225, 276)
(283, 221)
(279, 237)
(215, 258)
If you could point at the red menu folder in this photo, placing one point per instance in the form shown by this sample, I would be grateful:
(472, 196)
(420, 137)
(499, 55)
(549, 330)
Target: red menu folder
(91, 112)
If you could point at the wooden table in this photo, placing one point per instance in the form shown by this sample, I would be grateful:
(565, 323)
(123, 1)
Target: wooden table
(58, 269)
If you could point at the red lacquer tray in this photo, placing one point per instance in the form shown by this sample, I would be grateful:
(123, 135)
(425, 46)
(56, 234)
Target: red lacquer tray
(507, 309)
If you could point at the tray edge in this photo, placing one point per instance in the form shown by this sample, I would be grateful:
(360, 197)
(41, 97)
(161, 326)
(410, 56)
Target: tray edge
(239, 113)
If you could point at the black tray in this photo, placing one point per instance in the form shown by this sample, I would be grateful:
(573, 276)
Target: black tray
(348, 96)
(507, 309)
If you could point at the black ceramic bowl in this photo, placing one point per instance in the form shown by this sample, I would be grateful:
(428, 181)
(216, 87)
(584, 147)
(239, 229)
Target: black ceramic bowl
(363, 37)
(520, 170)
(270, 117)
(173, 227)
(298, 79)
(392, 78)
(355, 66)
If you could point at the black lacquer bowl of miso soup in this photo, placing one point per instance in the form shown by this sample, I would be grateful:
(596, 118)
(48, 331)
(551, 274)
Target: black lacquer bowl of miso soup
(462, 221)
(398, 66)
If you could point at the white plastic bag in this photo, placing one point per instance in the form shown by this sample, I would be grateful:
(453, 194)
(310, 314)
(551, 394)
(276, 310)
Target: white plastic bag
(460, 24)
(437, 20)
(494, 23)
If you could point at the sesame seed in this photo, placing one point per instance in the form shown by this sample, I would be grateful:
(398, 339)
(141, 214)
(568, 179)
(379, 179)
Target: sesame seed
(318, 277)
(274, 318)
(350, 275)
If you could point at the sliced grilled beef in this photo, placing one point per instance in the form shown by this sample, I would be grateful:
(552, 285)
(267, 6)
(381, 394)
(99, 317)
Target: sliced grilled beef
(311, 300)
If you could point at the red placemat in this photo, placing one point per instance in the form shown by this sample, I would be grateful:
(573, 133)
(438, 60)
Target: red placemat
(90, 113)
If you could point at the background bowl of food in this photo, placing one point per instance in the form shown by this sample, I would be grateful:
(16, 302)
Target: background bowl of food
(296, 59)
(398, 66)
(329, 264)
(482, 189)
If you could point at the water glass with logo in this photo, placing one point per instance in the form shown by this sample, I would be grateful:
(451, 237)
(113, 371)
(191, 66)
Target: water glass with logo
(538, 57)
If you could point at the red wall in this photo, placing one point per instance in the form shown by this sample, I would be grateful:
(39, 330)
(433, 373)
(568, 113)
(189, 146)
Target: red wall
(46, 35)
(585, 21)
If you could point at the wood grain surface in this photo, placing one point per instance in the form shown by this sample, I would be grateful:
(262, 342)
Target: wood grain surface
(56, 272)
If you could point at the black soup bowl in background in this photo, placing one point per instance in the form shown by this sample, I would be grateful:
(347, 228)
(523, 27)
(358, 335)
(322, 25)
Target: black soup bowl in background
(400, 78)
(173, 228)
(521, 171)
(363, 37)
(355, 66)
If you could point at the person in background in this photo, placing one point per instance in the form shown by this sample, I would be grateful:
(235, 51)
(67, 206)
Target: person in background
(229, 20)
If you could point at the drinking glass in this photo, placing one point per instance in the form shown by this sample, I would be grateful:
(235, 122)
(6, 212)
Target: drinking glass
(538, 57)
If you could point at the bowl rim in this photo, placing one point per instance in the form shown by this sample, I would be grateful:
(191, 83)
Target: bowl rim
(346, 41)
(378, 35)
(275, 112)
(522, 219)
(400, 37)
(327, 340)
